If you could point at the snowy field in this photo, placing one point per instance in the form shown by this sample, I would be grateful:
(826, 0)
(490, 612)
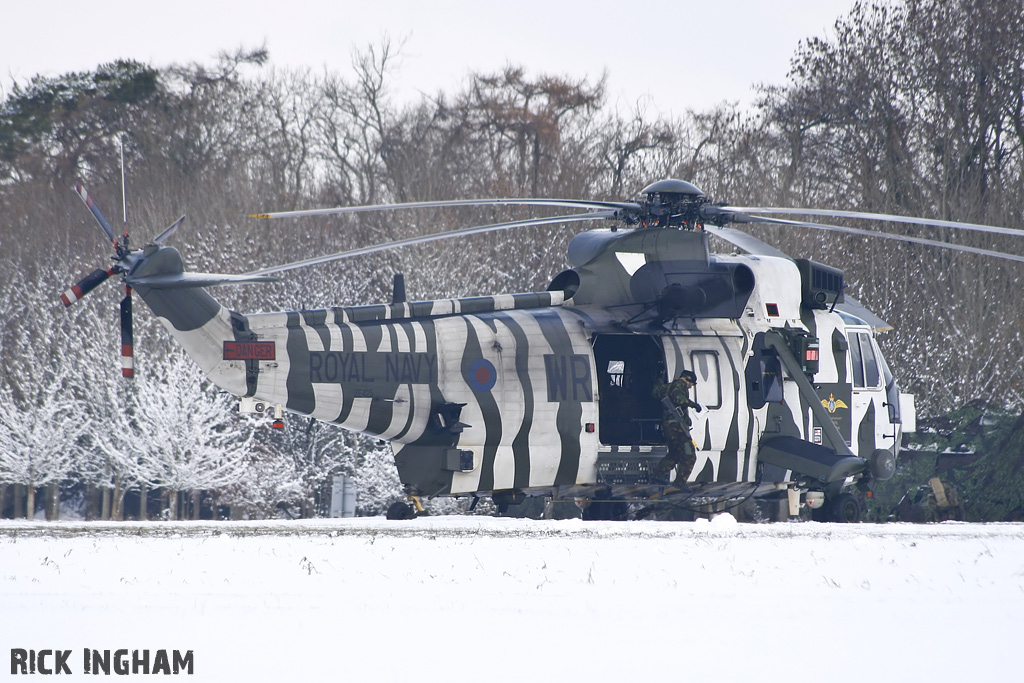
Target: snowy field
(483, 599)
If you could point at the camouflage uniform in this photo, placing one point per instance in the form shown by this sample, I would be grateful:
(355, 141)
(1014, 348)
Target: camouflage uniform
(676, 428)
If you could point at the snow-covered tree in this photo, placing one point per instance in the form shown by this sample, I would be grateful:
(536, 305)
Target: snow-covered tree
(270, 485)
(40, 435)
(120, 452)
(41, 424)
(377, 483)
(185, 436)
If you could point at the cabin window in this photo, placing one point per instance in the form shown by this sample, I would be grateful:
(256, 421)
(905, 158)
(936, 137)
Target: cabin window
(616, 369)
(771, 379)
(709, 380)
(763, 375)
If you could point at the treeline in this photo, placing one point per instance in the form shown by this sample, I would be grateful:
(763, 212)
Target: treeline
(912, 108)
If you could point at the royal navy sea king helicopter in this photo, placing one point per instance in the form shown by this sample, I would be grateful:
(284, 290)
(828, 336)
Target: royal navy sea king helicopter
(551, 393)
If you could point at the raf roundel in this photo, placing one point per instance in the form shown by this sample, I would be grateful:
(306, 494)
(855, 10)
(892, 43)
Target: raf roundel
(482, 375)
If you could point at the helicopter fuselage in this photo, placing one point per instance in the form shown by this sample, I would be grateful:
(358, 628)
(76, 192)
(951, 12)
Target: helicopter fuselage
(551, 392)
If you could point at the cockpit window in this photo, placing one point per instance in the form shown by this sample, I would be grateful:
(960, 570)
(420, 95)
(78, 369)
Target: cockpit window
(892, 392)
(867, 352)
(864, 361)
(858, 364)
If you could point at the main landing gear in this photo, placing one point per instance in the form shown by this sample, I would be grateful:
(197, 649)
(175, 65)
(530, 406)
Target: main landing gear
(844, 508)
(411, 510)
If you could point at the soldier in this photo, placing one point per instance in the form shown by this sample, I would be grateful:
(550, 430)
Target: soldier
(675, 425)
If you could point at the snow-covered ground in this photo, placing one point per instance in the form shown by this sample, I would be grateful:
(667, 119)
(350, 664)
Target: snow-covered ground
(470, 598)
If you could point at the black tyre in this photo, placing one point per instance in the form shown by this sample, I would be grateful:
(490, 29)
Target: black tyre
(845, 508)
(400, 510)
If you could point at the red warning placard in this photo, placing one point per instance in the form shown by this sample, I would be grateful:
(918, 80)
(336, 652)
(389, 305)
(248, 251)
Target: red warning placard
(249, 350)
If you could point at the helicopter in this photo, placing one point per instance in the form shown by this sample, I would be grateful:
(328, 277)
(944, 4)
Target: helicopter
(552, 393)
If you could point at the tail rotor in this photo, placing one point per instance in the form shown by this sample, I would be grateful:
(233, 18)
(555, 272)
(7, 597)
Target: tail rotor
(124, 259)
(156, 267)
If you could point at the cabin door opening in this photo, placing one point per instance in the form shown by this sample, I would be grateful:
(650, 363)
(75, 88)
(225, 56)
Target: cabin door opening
(628, 366)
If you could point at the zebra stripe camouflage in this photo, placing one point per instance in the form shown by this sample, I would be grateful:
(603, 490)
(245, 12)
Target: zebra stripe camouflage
(524, 379)
(527, 392)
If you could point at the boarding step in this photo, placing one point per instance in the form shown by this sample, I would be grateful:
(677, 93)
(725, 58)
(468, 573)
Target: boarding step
(628, 465)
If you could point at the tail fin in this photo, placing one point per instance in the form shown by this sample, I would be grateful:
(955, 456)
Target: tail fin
(193, 317)
(157, 274)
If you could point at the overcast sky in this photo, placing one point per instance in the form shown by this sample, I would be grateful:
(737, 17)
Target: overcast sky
(667, 55)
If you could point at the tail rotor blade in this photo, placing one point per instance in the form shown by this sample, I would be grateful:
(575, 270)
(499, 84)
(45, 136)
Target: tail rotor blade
(87, 284)
(97, 214)
(127, 336)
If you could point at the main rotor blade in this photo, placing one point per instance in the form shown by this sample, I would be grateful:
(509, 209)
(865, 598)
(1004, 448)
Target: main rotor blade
(433, 238)
(97, 214)
(861, 215)
(890, 236)
(572, 203)
(171, 229)
(745, 241)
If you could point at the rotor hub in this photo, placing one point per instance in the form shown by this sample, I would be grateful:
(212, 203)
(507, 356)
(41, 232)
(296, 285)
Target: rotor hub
(672, 203)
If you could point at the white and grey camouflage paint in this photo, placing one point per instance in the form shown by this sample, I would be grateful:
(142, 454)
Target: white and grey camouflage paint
(500, 393)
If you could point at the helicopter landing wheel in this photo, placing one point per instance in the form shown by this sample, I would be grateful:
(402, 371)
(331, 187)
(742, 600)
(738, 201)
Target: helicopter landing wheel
(400, 510)
(845, 508)
(411, 510)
